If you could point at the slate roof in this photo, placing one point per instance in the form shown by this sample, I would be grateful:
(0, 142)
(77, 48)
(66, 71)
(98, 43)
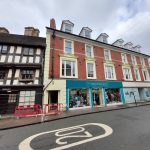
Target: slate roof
(22, 40)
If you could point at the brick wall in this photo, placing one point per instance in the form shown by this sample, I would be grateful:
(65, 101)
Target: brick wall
(79, 52)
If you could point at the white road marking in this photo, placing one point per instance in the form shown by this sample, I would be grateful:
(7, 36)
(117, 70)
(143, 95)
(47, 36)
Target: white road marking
(25, 145)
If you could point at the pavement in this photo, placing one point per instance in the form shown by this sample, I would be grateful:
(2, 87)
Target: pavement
(8, 122)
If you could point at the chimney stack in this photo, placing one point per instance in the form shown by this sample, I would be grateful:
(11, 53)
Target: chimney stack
(52, 23)
(31, 31)
(4, 30)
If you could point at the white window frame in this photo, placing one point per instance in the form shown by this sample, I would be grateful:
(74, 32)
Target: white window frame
(142, 61)
(94, 70)
(146, 73)
(138, 74)
(114, 72)
(130, 74)
(134, 62)
(92, 54)
(89, 34)
(65, 27)
(76, 67)
(72, 46)
(126, 60)
(109, 53)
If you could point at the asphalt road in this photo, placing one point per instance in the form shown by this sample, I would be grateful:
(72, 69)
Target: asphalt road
(127, 129)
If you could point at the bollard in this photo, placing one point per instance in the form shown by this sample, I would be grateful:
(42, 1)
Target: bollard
(42, 118)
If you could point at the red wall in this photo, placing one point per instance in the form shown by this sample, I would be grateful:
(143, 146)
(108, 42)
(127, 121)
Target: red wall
(79, 51)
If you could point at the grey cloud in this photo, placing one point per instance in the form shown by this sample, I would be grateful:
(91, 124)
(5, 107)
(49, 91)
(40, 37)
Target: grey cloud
(113, 17)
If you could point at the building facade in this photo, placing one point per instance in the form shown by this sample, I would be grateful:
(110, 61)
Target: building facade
(82, 72)
(21, 69)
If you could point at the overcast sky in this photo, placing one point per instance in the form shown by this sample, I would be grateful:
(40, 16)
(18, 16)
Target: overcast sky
(126, 19)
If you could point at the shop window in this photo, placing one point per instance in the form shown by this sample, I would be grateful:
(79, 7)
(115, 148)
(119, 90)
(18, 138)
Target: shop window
(3, 49)
(109, 72)
(27, 98)
(28, 51)
(68, 47)
(68, 68)
(113, 96)
(12, 98)
(27, 74)
(78, 98)
(89, 51)
(127, 73)
(107, 54)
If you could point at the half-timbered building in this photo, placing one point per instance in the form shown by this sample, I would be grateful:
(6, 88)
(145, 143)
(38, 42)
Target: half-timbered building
(21, 69)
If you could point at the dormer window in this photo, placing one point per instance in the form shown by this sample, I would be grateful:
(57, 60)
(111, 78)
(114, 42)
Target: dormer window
(119, 43)
(86, 32)
(128, 45)
(103, 38)
(67, 26)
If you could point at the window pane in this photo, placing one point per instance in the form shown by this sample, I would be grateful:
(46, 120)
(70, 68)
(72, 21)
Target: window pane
(88, 51)
(106, 55)
(68, 68)
(31, 51)
(67, 28)
(90, 70)
(87, 34)
(4, 49)
(68, 46)
(25, 51)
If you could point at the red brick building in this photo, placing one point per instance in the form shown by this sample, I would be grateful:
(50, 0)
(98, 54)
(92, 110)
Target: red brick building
(81, 71)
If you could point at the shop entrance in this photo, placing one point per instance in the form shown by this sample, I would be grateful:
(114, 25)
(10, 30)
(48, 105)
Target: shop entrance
(97, 96)
(52, 97)
(113, 96)
(8, 101)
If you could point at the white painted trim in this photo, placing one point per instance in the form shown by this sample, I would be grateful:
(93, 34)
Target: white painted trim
(76, 67)
(126, 67)
(109, 54)
(136, 84)
(92, 53)
(136, 68)
(94, 69)
(147, 74)
(114, 72)
(72, 46)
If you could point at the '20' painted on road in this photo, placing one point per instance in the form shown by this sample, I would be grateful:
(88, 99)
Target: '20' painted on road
(74, 132)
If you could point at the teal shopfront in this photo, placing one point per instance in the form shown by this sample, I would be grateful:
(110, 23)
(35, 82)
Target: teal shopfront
(83, 93)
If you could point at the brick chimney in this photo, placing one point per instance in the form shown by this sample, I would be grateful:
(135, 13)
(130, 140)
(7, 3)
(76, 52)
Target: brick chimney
(31, 31)
(36, 32)
(4, 30)
(52, 23)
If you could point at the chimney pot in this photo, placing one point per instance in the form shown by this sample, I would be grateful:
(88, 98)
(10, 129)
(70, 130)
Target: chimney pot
(52, 23)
